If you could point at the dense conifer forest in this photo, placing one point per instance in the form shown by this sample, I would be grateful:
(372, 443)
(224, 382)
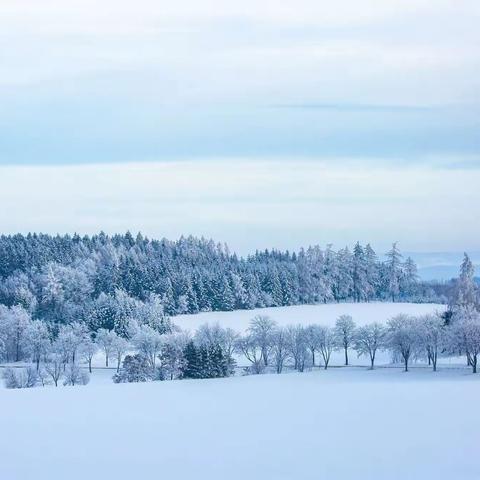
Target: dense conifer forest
(93, 279)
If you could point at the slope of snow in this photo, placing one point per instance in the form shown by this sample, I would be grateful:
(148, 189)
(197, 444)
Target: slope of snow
(340, 424)
(362, 313)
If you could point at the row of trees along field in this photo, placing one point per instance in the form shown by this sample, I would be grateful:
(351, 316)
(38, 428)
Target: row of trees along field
(165, 352)
(100, 280)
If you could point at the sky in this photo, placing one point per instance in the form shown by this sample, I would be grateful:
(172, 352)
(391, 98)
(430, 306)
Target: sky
(262, 124)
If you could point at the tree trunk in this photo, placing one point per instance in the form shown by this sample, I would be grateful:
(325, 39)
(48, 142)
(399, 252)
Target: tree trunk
(346, 355)
(90, 365)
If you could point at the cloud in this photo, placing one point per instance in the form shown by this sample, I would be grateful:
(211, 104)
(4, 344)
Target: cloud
(122, 81)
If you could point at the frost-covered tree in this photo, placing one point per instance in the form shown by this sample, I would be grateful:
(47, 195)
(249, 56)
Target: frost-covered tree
(312, 335)
(148, 342)
(369, 339)
(88, 349)
(211, 335)
(393, 271)
(261, 328)
(297, 346)
(14, 327)
(20, 377)
(280, 348)
(345, 333)
(119, 347)
(70, 338)
(404, 337)
(38, 341)
(135, 368)
(361, 286)
(433, 337)
(327, 343)
(409, 279)
(74, 375)
(466, 291)
(172, 359)
(251, 348)
(54, 365)
(105, 340)
(465, 336)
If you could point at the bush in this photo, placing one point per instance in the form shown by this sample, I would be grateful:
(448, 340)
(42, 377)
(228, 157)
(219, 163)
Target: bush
(74, 375)
(20, 377)
(135, 368)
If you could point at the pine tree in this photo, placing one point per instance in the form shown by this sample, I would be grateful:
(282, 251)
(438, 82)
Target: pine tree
(359, 274)
(466, 294)
(192, 367)
(394, 271)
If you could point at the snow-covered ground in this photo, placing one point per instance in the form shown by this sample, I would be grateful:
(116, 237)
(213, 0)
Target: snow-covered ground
(327, 314)
(342, 424)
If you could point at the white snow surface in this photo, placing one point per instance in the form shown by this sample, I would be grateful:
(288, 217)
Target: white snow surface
(324, 314)
(340, 424)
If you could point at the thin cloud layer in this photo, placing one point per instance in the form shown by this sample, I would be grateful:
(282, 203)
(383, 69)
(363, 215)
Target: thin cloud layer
(131, 81)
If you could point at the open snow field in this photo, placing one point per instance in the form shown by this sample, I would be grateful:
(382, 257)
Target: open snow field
(343, 424)
(324, 314)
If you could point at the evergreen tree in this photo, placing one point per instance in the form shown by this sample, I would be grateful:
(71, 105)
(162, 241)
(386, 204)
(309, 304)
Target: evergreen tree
(394, 271)
(192, 367)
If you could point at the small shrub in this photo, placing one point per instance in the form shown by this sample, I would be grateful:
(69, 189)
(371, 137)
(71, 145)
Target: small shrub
(20, 377)
(74, 375)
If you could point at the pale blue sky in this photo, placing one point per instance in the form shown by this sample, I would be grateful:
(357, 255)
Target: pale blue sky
(389, 88)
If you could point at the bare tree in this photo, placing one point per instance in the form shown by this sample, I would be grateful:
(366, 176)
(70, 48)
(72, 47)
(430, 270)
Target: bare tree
(210, 335)
(466, 335)
(54, 366)
(345, 332)
(262, 328)
(311, 339)
(148, 341)
(105, 338)
(74, 375)
(369, 339)
(280, 348)
(120, 347)
(38, 341)
(297, 346)
(433, 337)
(327, 343)
(88, 349)
(250, 347)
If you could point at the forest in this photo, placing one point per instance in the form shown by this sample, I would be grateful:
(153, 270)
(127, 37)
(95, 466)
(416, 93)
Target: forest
(94, 280)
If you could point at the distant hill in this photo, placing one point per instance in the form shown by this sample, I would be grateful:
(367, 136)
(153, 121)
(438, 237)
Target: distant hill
(441, 265)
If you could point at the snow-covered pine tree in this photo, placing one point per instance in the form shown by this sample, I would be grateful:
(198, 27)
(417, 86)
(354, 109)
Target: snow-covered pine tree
(393, 271)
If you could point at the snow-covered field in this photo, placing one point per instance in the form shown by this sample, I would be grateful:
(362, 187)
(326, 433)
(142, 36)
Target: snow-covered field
(362, 313)
(340, 424)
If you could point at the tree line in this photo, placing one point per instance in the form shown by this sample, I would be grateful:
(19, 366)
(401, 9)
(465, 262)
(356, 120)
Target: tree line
(102, 280)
